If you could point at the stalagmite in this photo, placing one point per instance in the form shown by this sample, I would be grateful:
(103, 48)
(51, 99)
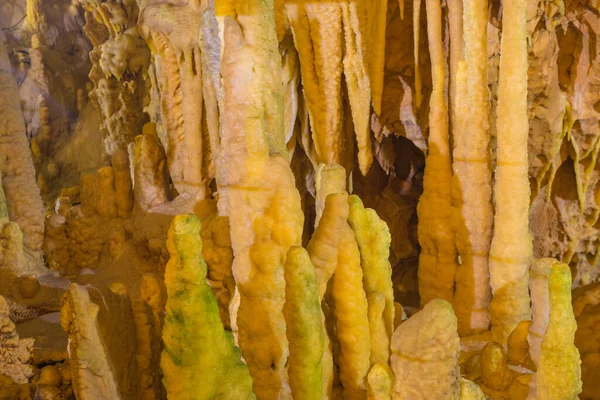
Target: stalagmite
(373, 237)
(437, 261)
(380, 382)
(93, 375)
(470, 391)
(518, 347)
(302, 311)
(472, 191)
(495, 374)
(425, 351)
(379, 335)
(196, 345)
(540, 298)
(323, 249)
(218, 255)
(351, 317)
(123, 185)
(558, 374)
(150, 172)
(511, 248)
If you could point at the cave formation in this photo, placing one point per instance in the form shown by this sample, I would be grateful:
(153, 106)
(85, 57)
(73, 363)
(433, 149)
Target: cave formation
(299, 199)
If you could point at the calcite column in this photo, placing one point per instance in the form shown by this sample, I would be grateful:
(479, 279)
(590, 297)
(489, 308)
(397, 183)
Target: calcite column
(472, 186)
(511, 249)
(23, 200)
(263, 203)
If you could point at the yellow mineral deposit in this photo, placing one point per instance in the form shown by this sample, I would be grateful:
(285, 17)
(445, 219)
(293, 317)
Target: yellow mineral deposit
(201, 199)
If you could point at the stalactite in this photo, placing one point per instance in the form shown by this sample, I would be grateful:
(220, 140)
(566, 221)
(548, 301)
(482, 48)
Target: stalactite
(416, 49)
(376, 24)
(317, 29)
(210, 46)
(356, 73)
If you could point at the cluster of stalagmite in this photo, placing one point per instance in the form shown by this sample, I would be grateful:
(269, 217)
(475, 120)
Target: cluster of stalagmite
(249, 225)
(338, 310)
